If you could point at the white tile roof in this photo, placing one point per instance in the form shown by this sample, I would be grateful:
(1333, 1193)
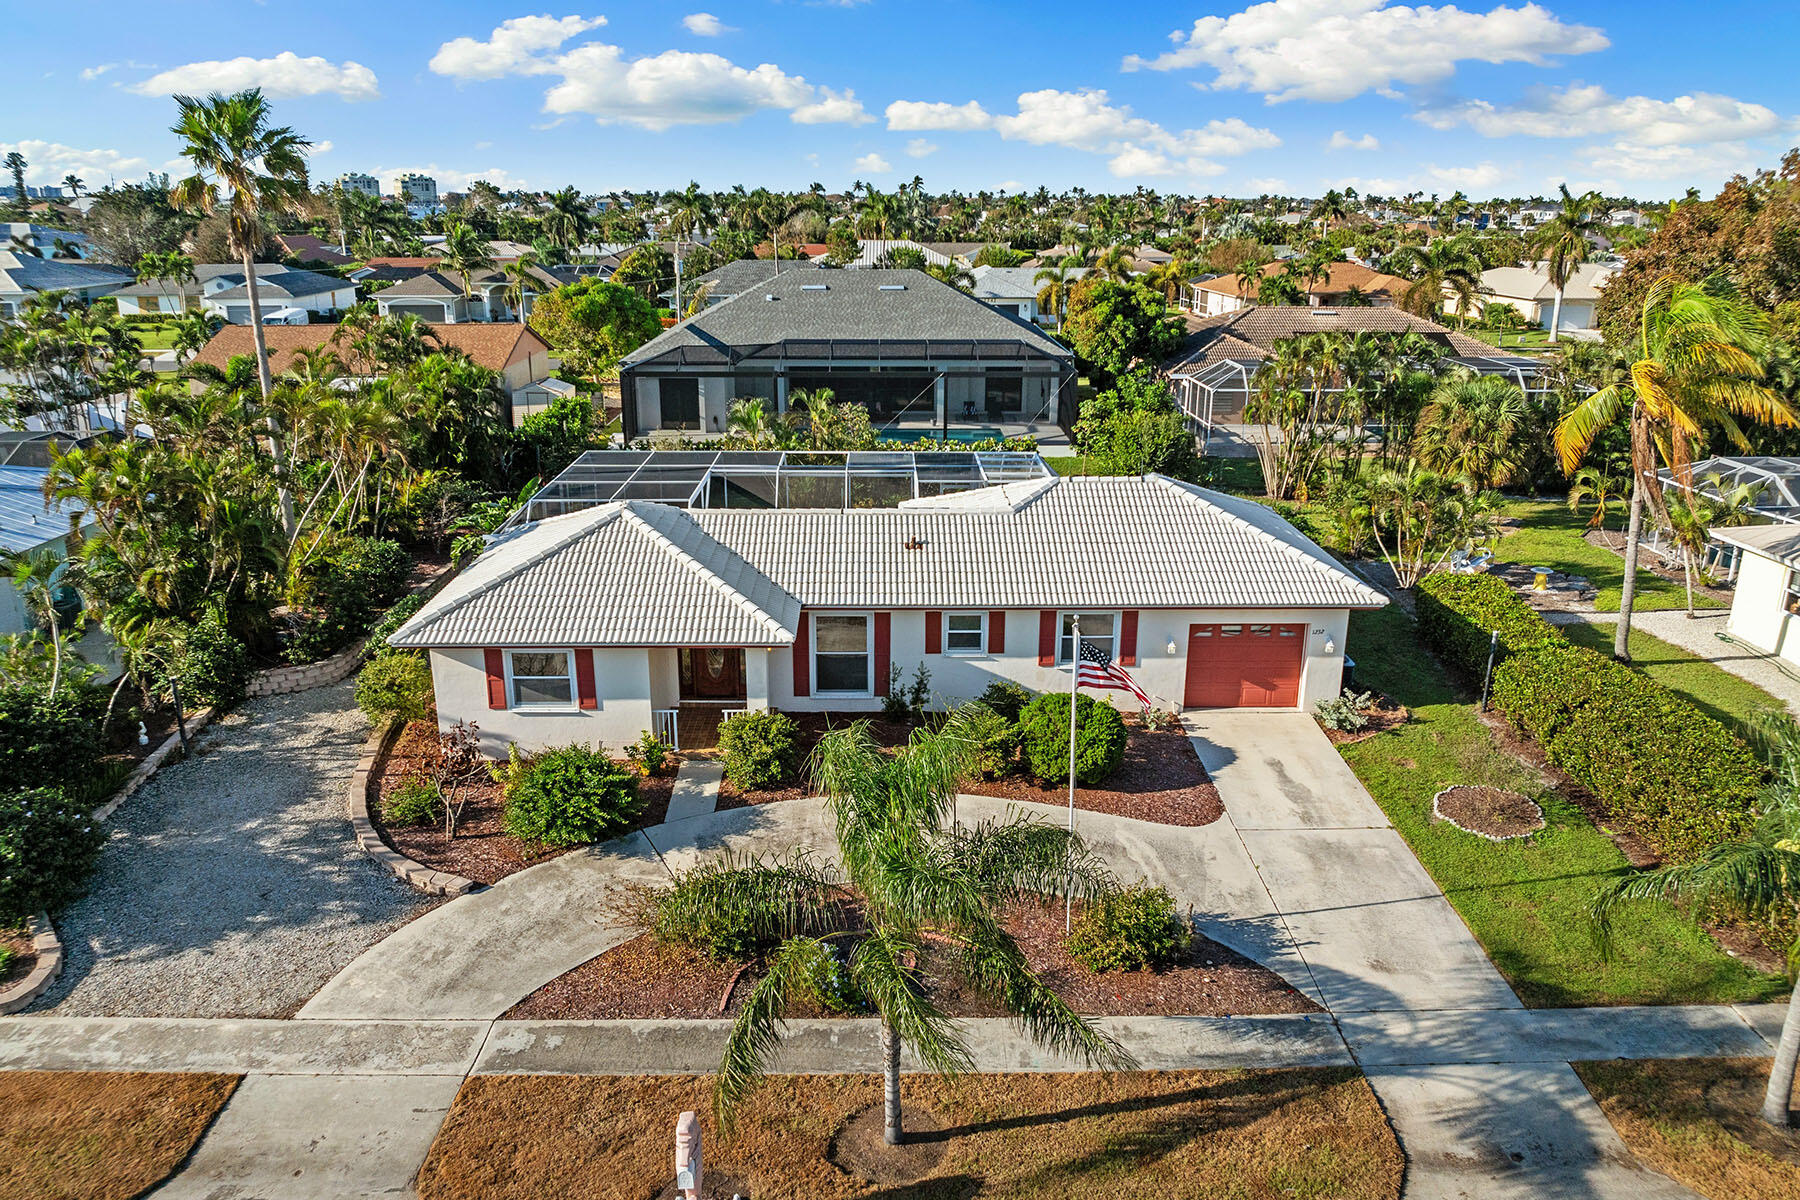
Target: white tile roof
(640, 573)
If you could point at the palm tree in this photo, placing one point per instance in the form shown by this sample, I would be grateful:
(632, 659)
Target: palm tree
(1759, 876)
(250, 169)
(748, 420)
(1563, 241)
(919, 880)
(1113, 263)
(467, 253)
(16, 164)
(75, 184)
(192, 330)
(566, 223)
(1471, 428)
(1698, 368)
(953, 273)
(1442, 264)
(521, 279)
(1249, 277)
(163, 268)
(1694, 516)
(1053, 297)
(37, 577)
(1332, 208)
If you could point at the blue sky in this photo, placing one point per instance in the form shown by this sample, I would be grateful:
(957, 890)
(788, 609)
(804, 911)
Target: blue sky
(1505, 98)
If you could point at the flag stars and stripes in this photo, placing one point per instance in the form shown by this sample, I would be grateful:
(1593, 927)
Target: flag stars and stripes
(1095, 669)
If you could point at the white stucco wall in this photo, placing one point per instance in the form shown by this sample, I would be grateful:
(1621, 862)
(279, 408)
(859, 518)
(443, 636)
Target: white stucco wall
(622, 683)
(1759, 613)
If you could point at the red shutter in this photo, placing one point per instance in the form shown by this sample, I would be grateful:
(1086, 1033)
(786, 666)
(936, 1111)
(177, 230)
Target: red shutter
(997, 633)
(496, 676)
(1047, 638)
(802, 658)
(584, 678)
(934, 633)
(883, 641)
(1128, 638)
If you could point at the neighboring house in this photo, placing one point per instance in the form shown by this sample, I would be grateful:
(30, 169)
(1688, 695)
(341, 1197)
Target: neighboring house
(1529, 290)
(27, 523)
(307, 248)
(48, 241)
(436, 295)
(1529, 215)
(537, 397)
(1014, 291)
(22, 276)
(914, 351)
(1223, 293)
(937, 254)
(594, 626)
(219, 288)
(737, 277)
(1765, 603)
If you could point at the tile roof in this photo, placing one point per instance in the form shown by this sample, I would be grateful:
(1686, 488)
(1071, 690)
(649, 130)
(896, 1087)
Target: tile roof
(732, 576)
(491, 345)
(26, 521)
(1344, 276)
(1250, 335)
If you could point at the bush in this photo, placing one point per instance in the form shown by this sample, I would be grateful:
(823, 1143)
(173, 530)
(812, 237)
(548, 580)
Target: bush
(395, 685)
(1099, 738)
(48, 848)
(45, 742)
(996, 742)
(761, 750)
(567, 796)
(369, 571)
(391, 621)
(1457, 614)
(738, 909)
(650, 753)
(1684, 780)
(1006, 697)
(1347, 713)
(1132, 929)
(212, 666)
(414, 802)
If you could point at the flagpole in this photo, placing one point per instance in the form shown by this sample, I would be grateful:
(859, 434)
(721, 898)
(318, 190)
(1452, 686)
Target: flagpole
(1074, 687)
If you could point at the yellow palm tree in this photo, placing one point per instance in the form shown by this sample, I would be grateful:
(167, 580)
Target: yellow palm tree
(1698, 368)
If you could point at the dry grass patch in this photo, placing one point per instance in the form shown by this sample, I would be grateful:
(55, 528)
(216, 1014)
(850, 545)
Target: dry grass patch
(78, 1135)
(1245, 1134)
(1696, 1120)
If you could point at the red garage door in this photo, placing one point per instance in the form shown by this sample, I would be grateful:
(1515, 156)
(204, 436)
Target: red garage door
(1244, 666)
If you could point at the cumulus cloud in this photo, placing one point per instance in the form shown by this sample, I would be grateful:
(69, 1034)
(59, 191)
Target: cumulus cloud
(1483, 176)
(1336, 49)
(514, 48)
(704, 24)
(1343, 141)
(874, 164)
(926, 114)
(832, 108)
(1588, 110)
(284, 77)
(920, 147)
(48, 162)
(322, 146)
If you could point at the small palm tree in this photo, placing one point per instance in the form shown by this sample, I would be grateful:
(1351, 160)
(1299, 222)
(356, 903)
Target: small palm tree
(1445, 264)
(1471, 428)
(922, 881)
(952, 273)
(748, 420)
(1057, 282)
(1694, 516)
(37, 577)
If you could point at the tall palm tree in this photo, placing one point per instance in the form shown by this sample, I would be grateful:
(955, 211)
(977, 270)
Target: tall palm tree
(521, 281)
(249, 168)
(15, 164)
(163, 268)
(1058, 281)
(1563, 242)
(75, 184)
(920, 880)
(1698, 368)
(1442, 264)
(566, 223)
(37, 577)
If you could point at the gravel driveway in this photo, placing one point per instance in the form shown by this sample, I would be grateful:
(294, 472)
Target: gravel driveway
(232, 885)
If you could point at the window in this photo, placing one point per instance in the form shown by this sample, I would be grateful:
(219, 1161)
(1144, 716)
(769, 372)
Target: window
(680, 403)
(1791, 602)
(842, 654)
(1097, 629)
(965, 633)
(540, 678)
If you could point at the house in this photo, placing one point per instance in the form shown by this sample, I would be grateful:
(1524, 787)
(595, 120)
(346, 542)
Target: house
(219, 288)
(28, 522)
(1014, 291)
(1765, 604)
(436, 294)
(1224, 294)
(937, 254)
(918, 353)
(596, 625)
(23, 276)
(306, 248)
(734, 278)
(26, 237)
(1528, 290)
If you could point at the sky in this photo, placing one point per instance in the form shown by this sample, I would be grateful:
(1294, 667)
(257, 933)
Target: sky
(1503, 99)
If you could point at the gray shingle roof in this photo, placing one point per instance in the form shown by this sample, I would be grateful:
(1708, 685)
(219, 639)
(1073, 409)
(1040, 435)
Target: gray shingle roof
(640, 573)
(1252, 333)
(291, 284)
(1012, 283)
(22, 273)
(731, 278)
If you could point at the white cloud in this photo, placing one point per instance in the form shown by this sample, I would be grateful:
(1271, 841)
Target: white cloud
(1266, 184)
(920, 147)
(874, 164)
(1482, 177)
(924, 114)
(1588, 110)
(448, 179)
(1343, 141)
(283, 77)
(89, 74)
(1679, 166)
(704, 24)
(514, 48)
(48, 162)
(832, 108)
(323, 146)
(1010, 185)
(1337, 49)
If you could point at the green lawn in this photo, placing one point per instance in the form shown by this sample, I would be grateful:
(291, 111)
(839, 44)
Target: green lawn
(1528, 340)
(1551, 536)
(1524, 900)
(160, 336)
(1716, 692)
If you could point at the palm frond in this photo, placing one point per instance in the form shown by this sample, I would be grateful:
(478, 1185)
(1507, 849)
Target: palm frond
(878, 968)
(993, 962)
(1757, 877)
(759, 1028)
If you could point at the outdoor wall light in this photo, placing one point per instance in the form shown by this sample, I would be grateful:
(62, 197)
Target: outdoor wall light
(1172, 647)
(1330, 646)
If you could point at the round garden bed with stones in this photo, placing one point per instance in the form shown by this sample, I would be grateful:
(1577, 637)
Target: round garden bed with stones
(1490, 812)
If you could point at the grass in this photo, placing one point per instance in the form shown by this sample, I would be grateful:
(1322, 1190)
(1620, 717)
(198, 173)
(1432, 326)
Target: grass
(1239, 475)
(1309, 1133)
(1721, 695)
(1551, 536)
(1661, 1110)
(76, 1135)
(1524, 900)
(1525, 339)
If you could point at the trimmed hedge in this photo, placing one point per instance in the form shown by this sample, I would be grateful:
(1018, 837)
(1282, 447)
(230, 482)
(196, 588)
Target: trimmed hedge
(1458, 614)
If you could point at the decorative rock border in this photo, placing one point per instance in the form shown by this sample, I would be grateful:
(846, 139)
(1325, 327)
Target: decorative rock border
(363, 781)
(48, 948)
(1438, 814)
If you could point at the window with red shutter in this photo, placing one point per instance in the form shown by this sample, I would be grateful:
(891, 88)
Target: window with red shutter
(997, 632)
(1128, 623)
(934, 633)
(495, 662)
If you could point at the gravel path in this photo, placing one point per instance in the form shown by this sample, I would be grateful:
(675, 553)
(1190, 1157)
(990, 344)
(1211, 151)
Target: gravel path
(232, 885)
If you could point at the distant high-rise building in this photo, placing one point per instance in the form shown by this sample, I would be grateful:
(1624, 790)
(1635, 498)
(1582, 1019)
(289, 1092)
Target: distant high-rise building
(356, 181)
(418, 189)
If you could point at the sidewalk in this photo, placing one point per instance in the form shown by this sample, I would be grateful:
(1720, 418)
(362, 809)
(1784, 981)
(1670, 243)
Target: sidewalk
(1699, 636)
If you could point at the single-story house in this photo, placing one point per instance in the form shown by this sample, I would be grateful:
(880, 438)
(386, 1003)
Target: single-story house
(1014, 291)
(220, 289)
(1528, 290)
(28, 523)
(436, 295)
(1765, 604)
(1224, 294)
(23, 276)
(918, 353)
(596, 625)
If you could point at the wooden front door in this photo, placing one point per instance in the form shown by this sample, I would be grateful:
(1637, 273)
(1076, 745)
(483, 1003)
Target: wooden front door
(712, 674)
(1244, 665)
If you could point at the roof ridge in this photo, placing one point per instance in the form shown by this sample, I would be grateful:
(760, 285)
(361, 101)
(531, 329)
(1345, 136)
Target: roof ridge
(748, 606)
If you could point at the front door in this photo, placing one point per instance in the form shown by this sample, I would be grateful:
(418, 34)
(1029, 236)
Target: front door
(712, 674)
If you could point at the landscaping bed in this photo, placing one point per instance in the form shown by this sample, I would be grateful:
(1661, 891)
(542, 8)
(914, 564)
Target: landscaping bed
(1381, 716)
(482, 850)
(100, 1135)
(1490, 812)
(17, 957)
(812, 727)
(647, 979)
(1315, 1132)
(1160, 780)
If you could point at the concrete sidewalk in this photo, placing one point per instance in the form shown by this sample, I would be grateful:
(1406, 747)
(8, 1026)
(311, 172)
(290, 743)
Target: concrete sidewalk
(1699, 636)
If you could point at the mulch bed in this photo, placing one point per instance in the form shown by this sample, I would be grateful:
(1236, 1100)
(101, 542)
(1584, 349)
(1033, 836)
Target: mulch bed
(1160, 780)
(643, 979)
(1489, 812)
(482, 850)
(814, 726)
(1383, 717)
(24, 957)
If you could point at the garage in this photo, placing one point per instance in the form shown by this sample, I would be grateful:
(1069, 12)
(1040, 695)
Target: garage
(1244, 665)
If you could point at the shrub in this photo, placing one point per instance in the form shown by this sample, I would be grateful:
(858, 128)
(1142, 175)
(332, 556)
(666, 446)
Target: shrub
(414, 802)
(45, 741)
(761, 750)
(391, 621)
(48, 848)
(1347, 713)
(1458, 613)
(357, 579)
(1131, 929)
(996, 742)
(567, 796)
(1006, 697)
(1099, 738)
(650, 753)
(212, 665)
(395, 685)
(1684, 780)
(737, 909)
(371, 571)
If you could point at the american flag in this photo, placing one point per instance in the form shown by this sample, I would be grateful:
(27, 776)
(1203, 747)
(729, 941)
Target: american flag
(1094, 669)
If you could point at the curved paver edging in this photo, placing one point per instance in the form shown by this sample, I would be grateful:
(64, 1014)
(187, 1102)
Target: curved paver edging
(49, 950)
(144, 770)
(1438, 812)
(362, 781)
(303, 677)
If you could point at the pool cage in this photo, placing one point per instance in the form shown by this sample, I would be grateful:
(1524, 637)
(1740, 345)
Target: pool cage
(1774, 497)
(770, 479)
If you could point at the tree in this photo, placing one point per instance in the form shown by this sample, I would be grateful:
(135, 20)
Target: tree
(1442, 264)
(649, 269)
(1278, 287)
(1471, 429)
(250, 168)
(75, 183)
(1136, 428)
(521, 282)
(192, 331)
(747, 424)
(593, 323)
(1419, 517)
(566, 223)
(1563, 241)
(920, 880)
(1114, 327)
(1694, 516)
(468, 254)
(163, 269)
(1057, 283)
(37, 577)
(953, 273)
(1297, 406)
(16, 164)
(129, 221)
(1698, 369)
(842, 246)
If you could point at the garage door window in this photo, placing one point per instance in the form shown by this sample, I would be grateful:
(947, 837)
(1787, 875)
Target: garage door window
(1097, 630)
